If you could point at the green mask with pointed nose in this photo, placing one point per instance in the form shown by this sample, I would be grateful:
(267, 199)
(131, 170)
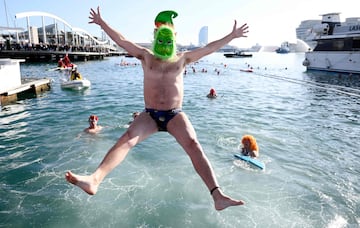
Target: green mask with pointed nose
(164, 45)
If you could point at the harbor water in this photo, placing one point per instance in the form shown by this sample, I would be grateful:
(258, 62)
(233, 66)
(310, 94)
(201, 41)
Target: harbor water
(306, 124)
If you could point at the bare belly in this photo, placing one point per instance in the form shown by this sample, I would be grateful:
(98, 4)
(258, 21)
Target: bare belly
(162, 101)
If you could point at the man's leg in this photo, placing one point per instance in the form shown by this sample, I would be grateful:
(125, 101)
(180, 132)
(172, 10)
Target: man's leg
(140, 129)
(181, 128)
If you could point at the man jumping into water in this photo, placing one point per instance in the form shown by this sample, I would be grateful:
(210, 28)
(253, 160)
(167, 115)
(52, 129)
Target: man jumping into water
(163, 96)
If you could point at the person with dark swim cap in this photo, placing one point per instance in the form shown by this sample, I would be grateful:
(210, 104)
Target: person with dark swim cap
(163, 70)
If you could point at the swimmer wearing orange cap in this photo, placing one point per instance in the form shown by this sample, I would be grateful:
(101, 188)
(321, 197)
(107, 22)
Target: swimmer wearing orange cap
(249, 146)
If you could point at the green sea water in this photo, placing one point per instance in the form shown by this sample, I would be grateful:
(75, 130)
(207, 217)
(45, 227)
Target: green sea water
(306, 124)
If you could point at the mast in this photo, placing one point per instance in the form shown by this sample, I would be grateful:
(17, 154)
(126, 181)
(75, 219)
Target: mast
(7, 18)
(6, 14)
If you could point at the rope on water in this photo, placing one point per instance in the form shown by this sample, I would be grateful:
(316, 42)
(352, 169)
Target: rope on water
(335, 88)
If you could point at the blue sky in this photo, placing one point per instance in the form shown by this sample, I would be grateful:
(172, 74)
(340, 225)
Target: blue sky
(270, 22)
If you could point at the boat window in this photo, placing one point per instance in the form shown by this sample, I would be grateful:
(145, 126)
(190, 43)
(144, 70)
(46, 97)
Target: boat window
(338, 45)
(323, 45)
(344, 44)
(356, 44)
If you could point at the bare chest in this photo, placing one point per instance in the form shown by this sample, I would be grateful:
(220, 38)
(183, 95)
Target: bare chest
(164, 68)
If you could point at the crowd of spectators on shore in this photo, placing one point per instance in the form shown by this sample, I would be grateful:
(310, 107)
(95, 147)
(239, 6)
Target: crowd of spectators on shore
(25, 46)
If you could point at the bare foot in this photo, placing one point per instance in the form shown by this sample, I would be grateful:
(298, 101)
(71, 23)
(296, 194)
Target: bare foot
(86, 183)
(222, 201)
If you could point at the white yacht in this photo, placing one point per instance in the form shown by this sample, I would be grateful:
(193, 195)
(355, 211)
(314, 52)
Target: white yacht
(338, 45)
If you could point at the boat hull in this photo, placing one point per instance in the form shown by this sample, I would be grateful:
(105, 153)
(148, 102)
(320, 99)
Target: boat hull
(63, 68)
(332, 61)
(76, 84)
(282, 51)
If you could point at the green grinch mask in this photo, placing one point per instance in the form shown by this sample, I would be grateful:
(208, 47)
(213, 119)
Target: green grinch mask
(164, 46)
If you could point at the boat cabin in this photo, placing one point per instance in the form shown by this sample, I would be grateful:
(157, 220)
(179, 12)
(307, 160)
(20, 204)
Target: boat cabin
(332, 35)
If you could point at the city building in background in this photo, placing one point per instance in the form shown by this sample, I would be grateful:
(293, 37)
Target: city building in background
(305, 29)
(203, 36)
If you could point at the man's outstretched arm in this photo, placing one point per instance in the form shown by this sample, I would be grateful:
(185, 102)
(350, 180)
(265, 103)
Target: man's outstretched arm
(197, 54)
(132, 48)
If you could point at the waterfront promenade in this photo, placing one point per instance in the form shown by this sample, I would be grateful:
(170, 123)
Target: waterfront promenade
(50, 42)
(53, 56)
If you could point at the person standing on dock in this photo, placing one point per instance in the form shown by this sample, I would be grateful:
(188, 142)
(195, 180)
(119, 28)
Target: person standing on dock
(163, 95)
